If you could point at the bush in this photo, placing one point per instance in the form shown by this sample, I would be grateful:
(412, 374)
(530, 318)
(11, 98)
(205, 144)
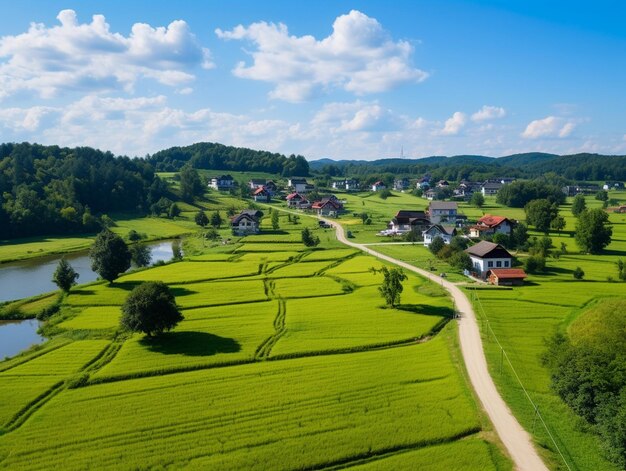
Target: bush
(308, 239)
(535, 264)
(461, 260)
(579, 274)
(436, 245)
(384, 194)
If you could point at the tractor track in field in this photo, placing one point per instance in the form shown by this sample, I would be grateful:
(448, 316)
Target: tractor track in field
(515, 439)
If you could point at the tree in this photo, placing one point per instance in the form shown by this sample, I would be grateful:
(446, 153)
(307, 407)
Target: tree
(519, 236)
(109, 255)
(190, 184)
(540, 213)
(384, 194)
(177, 251)
(140, 255)
(579, 204)
(275, 220)
(461, 260)
(477, 200)
(621, 269)
(174, 211)
(540, 246)
(558, 223)
(436, 245)
(593, 230)
(64, 276)
(535, 263)
(578, 273)
(602, 195)
(308, 239)
(150, 308)
(392, 287)
(201, 218)
(216, 219)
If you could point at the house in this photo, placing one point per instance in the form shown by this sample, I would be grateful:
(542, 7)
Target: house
(401, 184)
(438, 230)
(407, 220)
(246, 222)
(489, 225)
(327, 207)
(347, 185)
(430, 195)
(490, 188)
(378, 186)
(271, 187)
(423, 183)
(222, 183)
(442, 211)
(256, 183)
(299, 185)
(486, 255)
(261, 194)
(465, 189)
(573, 190)
(296, 200)
(443, 184)
(506, 276)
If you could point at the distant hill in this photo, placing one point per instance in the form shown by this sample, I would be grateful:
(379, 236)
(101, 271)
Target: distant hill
(527, 165)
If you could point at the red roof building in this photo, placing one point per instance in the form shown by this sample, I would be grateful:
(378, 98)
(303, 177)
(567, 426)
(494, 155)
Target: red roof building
(490, 225)
(506, 276)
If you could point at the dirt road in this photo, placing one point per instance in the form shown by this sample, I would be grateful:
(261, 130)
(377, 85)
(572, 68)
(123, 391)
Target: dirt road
(516, 440)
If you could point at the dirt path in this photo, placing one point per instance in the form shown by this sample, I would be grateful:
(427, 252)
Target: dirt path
(516, 440)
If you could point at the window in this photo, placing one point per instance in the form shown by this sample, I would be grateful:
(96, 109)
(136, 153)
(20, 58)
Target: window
(490, 264)
(506, 263)
(499, 264)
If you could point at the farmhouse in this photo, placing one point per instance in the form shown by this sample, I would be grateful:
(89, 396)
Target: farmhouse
(296, 200)
(246, 222)
(443, 184)
(423, 183)
(271, 187)
(261, 194)
(490, 188)
(299, 185)
(327, 207)
(489, 225)
(222, 183)
(487, 255)
(378, 186)
(442, 211)
(401, 184)
(506, 276)
(256, 183)
(406, 220)
(347, 185)
(438, 230)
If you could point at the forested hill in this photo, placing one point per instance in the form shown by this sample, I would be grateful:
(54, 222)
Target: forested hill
(55, 190)
(572, 167)
(214, 156)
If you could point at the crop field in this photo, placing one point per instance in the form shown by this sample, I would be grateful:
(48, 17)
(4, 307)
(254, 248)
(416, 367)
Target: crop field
(281, 348)
(349, 406)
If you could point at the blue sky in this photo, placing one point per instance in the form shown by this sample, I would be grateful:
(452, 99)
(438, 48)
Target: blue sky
(347, 80)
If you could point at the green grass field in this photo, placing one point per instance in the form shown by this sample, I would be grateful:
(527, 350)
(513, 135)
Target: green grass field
(281, 348)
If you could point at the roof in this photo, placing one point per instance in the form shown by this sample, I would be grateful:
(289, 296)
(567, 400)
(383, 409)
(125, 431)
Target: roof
(379, 183)
(326, 202)
(492, 221)
(261, 190)
(493, 185)
(443, 205)
(508, 273)
(449, 230)
(298, 181)
(293, 195)
(486, 249)
(243, 215)
(407, 213)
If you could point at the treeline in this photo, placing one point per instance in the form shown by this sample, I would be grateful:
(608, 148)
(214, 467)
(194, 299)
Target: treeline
(578, 167)
(214, 156)
(58, 190)
(588, 371)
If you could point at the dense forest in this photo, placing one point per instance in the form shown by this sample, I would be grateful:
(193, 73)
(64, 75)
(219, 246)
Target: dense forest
(55, 190)
(579, 167)
(213, 156)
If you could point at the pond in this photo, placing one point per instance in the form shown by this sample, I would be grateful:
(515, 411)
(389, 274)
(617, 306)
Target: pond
(32, 277)
(16, 336)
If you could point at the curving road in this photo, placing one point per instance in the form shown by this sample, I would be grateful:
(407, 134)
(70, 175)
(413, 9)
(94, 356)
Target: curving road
(516, 440)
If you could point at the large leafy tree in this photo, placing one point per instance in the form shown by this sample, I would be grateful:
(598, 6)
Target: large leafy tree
(579, 204)
(140, 255)
(308, 239)
(150, 308)
(392, 287)
(540, 213)
(65, 276)
(593, 230)
(109, 255)
(190, 184)
(201, 218)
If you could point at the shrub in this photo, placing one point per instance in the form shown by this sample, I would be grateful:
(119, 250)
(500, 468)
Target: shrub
(535, 264)
(436, 245)
(579, 274)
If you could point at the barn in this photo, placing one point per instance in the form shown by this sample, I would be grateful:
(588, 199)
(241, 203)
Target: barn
(506, 276)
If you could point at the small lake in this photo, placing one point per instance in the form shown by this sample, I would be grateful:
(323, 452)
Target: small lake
(16, 336)
(32, 277)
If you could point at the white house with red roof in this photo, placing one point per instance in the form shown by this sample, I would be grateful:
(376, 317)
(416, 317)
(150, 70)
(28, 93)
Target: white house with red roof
(489, 225)
(327, 207)
(262, 194)
(378, 186)
(296, 200)
(486, 255)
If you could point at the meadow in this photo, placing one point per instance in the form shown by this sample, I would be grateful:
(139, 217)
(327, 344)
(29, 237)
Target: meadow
(282, 348)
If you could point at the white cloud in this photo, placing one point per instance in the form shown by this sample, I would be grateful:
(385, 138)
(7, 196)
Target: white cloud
(88, 56)
(454, 124)
(488, 113)
(359, 56)
(549, 127)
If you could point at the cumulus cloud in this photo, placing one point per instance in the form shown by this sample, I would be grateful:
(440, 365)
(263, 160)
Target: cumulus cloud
(359, 56)
(487, 113)
(550, 127)
(454, 124)
(89, 56)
